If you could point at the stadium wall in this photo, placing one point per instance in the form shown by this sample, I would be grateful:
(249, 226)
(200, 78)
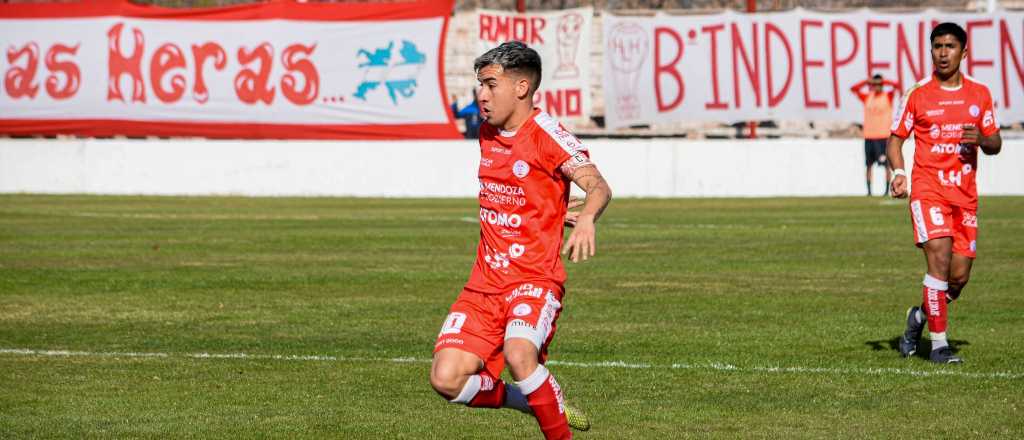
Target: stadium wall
(635, 168)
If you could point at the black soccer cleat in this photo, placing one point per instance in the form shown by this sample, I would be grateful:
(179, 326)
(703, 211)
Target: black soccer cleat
(945, 355)
(908, 342)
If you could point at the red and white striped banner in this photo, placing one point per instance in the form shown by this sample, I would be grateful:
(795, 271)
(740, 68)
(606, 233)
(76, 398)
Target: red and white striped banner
(267, 70)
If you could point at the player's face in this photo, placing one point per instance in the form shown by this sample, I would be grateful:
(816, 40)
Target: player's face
(876, 85)
(497, 94)
(947, 52)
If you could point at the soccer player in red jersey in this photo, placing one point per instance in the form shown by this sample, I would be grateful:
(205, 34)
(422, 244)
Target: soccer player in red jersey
(951, 115)
(506, 314)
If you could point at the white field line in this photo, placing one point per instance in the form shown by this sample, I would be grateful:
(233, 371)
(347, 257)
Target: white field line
(713, 366)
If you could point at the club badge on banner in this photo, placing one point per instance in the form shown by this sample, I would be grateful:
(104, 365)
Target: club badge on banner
(796, 65)
(563, 40)
(278, 69)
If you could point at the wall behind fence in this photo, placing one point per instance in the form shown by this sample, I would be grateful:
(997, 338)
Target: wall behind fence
(635, 168)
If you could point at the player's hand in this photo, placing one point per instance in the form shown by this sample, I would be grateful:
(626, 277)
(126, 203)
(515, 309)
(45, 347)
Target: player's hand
(898, 189)
(971, 135)
(580, 244)
(571, 217)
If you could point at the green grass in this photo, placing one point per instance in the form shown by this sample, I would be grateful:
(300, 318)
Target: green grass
(815, 286)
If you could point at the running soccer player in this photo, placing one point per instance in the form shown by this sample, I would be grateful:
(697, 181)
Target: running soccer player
(951, 115)
(507, 312)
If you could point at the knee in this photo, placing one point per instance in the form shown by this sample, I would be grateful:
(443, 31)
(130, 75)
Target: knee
(521, 362)
(447, 380)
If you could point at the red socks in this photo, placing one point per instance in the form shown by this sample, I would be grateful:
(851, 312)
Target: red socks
(545, 398)
(934, 295)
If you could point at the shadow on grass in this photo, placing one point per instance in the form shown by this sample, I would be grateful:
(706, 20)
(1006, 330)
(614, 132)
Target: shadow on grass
(924, 346)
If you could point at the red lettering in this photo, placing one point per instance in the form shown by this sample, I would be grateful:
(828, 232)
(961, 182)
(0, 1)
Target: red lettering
(168, 56)
(199, 55)
(903, 50)
(808, 63)
(574, 102)
(501, 29)
(1006, 46)
(72, 75)
(251, 86)
(753, 73)
(712, 31)
(486, 23)
(18, 80)
(553, 102)
(872, 64)
(667, 68)
(118, 64)
(836, 62)
(769, 30)
(305, 68)
(564, 102)
(973, 61)
(537, 25)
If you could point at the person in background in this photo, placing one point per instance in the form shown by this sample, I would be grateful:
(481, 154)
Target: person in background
(877, 95)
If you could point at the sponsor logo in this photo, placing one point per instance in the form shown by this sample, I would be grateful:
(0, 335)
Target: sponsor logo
(500, 218)
(520, 169)
(449, 341)
(938, 112)
(933, 302)
(951, 178)
(525, 290)
(522, 310)
(934, 131)
(519, 323)
(945, 148)
(558, 393)
(974, 111)
(496, 149)
(485, 162)
(952, 102)
(502, 194)
(971, 221)
(486, 383)
(501, 260)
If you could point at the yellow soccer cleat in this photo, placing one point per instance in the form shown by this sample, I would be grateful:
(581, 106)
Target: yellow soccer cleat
(577, 420)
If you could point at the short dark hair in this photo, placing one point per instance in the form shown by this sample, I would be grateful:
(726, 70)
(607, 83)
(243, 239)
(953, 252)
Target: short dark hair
(877, 76)
(953, 29)
(513, 56)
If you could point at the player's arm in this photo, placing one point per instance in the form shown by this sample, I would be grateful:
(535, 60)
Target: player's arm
(858, 89)
(990, 145)
(581, 242)
(894, 155)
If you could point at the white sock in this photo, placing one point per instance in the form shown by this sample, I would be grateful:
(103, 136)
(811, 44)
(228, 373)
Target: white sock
(939, 341)
(469, 390)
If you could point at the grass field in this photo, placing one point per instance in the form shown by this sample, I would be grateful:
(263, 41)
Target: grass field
(133, 317)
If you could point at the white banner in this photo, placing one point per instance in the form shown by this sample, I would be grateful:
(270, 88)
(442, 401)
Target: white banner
(563, 40)
(797, 65)
(320, 71)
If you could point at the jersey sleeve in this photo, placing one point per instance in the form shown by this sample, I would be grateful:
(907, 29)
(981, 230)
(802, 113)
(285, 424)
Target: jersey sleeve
(558, 147)
(903, 117)
(989, 124)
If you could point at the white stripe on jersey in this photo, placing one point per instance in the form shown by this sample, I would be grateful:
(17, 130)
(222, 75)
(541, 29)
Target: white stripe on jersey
(897, 117)
(562, 137)
(921, 226)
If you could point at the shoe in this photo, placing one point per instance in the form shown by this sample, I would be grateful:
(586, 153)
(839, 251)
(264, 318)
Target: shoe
(945, 355)
(908, 342)
(577, 420)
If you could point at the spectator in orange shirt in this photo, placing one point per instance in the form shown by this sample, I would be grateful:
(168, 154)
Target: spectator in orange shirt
(877, 95)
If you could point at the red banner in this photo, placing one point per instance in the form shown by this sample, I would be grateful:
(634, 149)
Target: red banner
(280, 69)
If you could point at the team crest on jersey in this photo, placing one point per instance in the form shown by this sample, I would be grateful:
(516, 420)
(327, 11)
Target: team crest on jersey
(520, 169)
(522, 310)
(974, 111)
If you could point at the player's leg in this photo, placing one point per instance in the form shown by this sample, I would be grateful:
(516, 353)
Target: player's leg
(959, 275)
(965, 239)
(530, 328)
(938, 253)
(869, 161)
(467, 356)
(884, 162)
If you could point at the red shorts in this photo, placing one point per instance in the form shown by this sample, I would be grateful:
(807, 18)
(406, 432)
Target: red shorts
(933, 219)
(480, 323)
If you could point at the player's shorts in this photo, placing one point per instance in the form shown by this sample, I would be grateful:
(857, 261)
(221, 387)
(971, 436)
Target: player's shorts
(932, 219)
(480, 323)
(874, 151)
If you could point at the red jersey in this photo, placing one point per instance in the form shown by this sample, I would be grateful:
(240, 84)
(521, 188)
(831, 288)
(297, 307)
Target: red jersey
(523, 197)
(936, 116)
